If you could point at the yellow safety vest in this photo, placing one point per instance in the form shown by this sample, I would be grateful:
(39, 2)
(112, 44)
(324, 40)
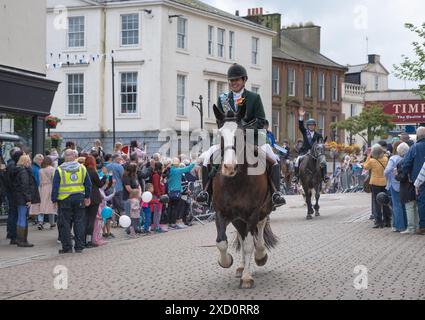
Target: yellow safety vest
(71, 183)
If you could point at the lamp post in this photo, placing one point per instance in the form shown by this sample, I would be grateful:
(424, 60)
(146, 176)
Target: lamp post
(199, 106)
(113, 100)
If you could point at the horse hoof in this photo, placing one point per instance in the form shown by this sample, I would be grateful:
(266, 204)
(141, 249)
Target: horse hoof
(309, 217)
(239, 272)
(317, 214)
(262, 262)
(227, 266)
(246, 284)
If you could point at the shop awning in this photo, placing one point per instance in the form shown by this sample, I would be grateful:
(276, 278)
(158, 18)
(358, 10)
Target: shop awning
(27, 94)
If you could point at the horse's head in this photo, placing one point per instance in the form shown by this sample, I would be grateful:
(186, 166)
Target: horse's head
(318, 152)
(228, 127)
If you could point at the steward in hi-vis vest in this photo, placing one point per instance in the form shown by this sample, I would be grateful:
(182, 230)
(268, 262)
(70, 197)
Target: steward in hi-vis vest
(71, 190)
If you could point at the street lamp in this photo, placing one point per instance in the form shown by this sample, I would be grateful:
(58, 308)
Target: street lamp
(199, 106)
(113, 99)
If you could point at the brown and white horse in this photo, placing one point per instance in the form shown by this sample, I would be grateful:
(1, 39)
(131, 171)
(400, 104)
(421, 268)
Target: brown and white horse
(243, 199)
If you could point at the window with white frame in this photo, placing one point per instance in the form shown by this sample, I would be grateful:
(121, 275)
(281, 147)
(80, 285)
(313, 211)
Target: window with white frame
(76, 30)
(182, 33)
(322, 88)
(307, 83)
(130, 29)
(255, 89)
(353, 110)
(75, 94)
(210, 98)
(210, 40)
(334, 87)
(254, 58)
(128, 92)
(181, 95)
(231, 45)
(276, 123)
(291, 82)
(276, 80)
(220, 42)
(322, 124)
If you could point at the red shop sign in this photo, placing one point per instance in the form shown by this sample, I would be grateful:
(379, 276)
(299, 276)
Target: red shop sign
(404, 111)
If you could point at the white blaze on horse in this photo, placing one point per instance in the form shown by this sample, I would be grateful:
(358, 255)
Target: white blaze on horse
(242, 196)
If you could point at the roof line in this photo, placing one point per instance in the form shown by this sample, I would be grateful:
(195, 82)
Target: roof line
(314, 52)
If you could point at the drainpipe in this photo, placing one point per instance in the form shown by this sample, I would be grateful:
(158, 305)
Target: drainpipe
(102, 125)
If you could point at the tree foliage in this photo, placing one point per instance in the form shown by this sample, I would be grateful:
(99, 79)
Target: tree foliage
(414, 70)
(371, 123)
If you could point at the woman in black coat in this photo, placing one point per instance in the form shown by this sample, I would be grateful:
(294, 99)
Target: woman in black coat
(407, 193)
(25, 192)
(95, 198)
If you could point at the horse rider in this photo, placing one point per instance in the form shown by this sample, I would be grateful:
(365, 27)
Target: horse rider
(310, 137)
(255, 116)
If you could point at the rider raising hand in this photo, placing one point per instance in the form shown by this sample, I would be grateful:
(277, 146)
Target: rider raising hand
(310, 137)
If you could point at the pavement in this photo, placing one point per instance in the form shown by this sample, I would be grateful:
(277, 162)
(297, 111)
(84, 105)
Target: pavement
(324, 258)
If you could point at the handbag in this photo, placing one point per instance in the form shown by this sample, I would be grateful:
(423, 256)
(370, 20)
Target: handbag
(175, 195)
(366, 183)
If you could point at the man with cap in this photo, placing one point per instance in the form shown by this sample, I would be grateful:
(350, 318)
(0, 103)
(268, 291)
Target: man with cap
(310, 137)
(255, 118)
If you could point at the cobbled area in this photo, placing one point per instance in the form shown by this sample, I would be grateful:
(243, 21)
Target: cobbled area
(313, 260)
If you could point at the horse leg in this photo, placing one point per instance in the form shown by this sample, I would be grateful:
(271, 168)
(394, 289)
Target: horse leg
(316, 206)
(239, 271)
(225, 260)
(260, 248)
(247, 282)
(310, 210)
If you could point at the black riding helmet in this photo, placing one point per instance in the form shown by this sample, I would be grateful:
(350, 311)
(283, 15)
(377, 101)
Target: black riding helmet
(236, 71)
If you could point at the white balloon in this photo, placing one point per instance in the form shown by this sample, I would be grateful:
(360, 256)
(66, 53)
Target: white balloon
(147, 197)
(125, 221)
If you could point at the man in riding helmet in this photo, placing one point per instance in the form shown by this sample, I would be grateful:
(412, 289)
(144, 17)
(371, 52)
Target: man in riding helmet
(254, 117)
(310, 137)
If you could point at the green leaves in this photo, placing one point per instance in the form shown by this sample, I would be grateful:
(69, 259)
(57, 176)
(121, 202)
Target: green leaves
(371, 123)
(414, 70)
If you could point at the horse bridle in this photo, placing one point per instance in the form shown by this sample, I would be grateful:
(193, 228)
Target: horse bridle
(318, 156)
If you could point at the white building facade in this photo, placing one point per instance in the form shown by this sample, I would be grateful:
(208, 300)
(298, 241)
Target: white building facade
(166, 53)
(359, 80)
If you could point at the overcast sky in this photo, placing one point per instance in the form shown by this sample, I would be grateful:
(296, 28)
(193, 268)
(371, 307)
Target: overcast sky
(346, 24)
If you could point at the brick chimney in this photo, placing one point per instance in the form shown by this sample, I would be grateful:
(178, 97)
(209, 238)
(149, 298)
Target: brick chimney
(271, 21)
(308, 36)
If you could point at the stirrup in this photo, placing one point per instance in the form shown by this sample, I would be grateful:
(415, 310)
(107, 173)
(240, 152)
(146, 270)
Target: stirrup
(278, 199)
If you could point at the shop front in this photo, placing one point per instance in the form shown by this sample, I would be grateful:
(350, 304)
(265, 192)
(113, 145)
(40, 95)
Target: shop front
(25, 101)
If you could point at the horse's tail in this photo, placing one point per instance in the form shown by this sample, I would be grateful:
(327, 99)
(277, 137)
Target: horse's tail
(270, 238)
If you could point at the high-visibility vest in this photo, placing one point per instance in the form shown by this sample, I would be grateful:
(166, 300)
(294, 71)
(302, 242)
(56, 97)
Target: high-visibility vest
(71, 183)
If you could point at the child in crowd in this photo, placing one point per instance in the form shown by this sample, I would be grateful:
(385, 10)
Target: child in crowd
(134, 204)
(107, 193)
(147, 210)
(159, 190)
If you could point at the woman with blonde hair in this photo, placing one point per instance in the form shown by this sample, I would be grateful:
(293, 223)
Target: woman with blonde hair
(377, 162)
(25, 193)
(47, 173)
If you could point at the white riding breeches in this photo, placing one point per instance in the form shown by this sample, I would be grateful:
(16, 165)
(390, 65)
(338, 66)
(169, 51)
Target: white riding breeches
(297, 161)
(206, 156)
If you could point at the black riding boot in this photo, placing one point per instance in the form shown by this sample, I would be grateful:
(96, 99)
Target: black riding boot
(203, 196)
(277, 197)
